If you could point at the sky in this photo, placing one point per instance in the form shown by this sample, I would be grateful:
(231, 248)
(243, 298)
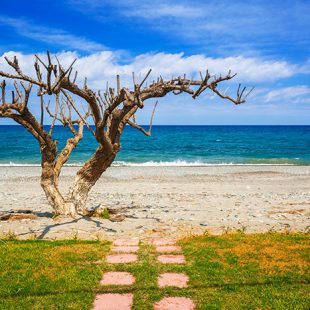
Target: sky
(267, 43)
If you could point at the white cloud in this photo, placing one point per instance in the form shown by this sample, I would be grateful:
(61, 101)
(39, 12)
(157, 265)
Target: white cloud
(292, 94)
(53, 36)
(103, 66)
(163, 10)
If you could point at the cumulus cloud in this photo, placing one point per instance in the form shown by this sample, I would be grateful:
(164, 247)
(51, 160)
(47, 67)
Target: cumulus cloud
(103, 66)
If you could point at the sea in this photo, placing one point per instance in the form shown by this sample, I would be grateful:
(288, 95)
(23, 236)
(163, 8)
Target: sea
(175, 146)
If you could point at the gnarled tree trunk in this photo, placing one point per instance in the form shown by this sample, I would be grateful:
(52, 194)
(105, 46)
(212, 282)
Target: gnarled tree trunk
(52, 193)
(49, 184)
(74, 203)
(86, 178)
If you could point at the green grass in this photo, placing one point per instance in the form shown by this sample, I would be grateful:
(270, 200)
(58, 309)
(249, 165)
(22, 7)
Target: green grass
(105, 214)
(233, 271)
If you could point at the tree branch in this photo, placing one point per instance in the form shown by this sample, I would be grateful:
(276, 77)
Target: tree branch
(65, 153)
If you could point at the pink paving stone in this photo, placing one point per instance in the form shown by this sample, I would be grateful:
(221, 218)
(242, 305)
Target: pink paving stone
(125, 249)
(113, 302)
(175, 303)
(168, 248)
(171, 259)
(126, 242)
(117, 278)
(173, 279)
(164, 241)
(121, 258)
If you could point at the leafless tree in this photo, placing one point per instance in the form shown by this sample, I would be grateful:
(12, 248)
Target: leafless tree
(110, 111)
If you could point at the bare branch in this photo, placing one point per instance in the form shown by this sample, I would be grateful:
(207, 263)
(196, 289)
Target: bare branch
(19, 93)
(55, 115)
(118, 83)
(151, 121)
(3, 85)
(67, 150)
(27, 92)
(71, 102)
(135, 125)
(147, 75)
(42, 110)
(57, 83)
(249, 92)
(41, 61)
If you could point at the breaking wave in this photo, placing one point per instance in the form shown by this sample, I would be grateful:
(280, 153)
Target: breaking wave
(182, 163)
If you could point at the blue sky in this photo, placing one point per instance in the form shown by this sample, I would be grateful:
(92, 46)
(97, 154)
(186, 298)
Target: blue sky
(266, 42)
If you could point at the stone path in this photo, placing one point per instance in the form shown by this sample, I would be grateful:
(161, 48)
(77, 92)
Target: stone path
(125, 251)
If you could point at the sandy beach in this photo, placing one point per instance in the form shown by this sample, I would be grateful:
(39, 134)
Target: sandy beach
(161, 201)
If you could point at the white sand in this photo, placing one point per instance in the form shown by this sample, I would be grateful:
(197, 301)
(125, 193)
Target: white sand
(160, 201)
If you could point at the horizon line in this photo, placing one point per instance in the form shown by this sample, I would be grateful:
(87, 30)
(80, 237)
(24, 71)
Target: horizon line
(58, 125)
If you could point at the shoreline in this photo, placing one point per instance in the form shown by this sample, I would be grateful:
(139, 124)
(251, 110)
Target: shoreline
(166, 200)
(159, 165)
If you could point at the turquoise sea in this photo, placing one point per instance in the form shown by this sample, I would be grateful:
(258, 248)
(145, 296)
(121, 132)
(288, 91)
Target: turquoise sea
(176, 145)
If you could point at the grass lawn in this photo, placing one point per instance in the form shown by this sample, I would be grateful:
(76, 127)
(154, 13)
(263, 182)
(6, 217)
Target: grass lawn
(232, 271)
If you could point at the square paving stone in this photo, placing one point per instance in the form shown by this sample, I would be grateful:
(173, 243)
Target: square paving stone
(168, 248)
(171, 259)
(164, 241)
(113, 302)
(125, 249)
(121, 258)
(175, 303)
(126, 241)
(117, 278)
(173, 279)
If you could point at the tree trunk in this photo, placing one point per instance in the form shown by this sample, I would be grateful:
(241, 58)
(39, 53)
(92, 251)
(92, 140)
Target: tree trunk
(86, 178)
(49, 183)
(52, 193)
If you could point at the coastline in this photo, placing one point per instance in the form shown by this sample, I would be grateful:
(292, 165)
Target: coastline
(160, 165)
(162, 200)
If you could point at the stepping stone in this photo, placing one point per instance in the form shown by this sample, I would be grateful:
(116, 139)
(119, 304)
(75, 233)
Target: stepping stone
(175, 303)
(173, 279)
(117, 278)
(121, 258)
(113, 302)
(164, 241)
(126, 242)
(171, 259)
(125, 249)
(168, 248)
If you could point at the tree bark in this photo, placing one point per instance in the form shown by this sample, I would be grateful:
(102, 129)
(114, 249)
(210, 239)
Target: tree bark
(75, 203)
(86, 178)
(49, 184)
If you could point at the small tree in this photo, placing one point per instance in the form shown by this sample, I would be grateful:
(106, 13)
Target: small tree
(110, 112)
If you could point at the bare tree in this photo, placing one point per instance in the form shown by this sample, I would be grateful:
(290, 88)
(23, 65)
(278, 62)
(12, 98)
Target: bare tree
(110, 111)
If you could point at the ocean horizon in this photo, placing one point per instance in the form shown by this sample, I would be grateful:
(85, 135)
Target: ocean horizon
(175, 145)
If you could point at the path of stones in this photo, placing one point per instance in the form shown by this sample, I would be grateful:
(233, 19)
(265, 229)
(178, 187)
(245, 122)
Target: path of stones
(124, 251)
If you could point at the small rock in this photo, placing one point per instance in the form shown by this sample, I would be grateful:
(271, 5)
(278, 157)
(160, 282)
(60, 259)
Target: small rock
(117, 217)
